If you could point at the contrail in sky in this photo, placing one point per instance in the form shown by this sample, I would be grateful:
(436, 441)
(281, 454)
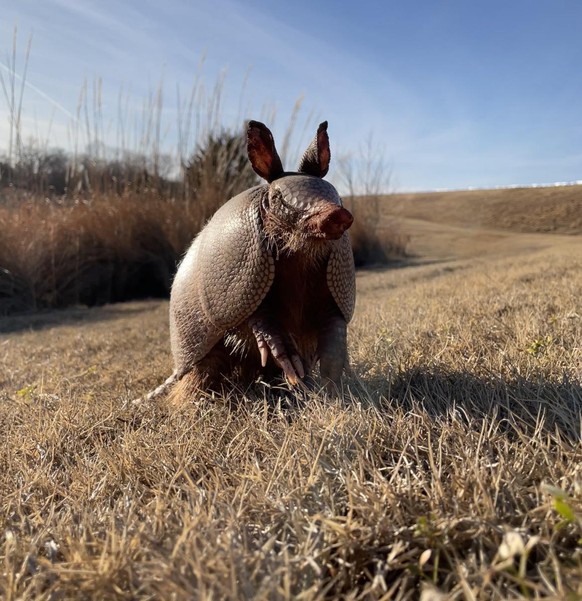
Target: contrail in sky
(39, 92)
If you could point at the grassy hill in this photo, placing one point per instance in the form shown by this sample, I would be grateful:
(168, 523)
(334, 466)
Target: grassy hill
(555, 209)
(451, 469)
(474, 223)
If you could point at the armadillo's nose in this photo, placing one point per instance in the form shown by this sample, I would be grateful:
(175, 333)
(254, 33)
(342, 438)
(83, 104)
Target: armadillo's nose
(333, 221)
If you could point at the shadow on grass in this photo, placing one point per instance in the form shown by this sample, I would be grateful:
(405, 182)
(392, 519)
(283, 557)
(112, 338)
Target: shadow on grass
(77, 316)
(526, 404)
(523, 406)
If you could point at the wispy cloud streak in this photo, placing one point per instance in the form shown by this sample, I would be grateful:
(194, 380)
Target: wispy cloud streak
(38, 91)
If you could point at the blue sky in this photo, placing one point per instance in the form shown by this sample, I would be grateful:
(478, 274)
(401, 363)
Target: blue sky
(454, 93)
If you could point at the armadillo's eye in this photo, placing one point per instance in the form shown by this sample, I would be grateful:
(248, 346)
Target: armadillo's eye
(275, 197)
(287, 205)
(290, 205)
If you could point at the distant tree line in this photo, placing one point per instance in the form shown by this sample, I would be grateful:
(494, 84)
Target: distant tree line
(218, 167)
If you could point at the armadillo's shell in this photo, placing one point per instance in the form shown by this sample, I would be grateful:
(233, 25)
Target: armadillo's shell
(341, 276)
(304, 191)
(222, 280)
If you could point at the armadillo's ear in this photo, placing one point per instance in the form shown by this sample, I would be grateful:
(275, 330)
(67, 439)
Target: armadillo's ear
(262, 152)
(316, 159)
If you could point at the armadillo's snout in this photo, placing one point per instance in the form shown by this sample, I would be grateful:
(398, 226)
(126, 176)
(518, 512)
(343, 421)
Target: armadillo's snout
(330, 222)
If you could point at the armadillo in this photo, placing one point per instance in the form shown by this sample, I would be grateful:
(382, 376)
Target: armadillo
(268, 286)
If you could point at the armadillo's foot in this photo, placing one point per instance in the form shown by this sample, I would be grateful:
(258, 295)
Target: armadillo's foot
(282, 348)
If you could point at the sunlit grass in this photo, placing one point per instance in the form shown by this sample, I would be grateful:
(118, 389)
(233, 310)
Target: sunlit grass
(451, 467)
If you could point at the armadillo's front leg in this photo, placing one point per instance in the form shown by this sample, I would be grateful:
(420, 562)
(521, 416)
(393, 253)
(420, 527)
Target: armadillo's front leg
(332, 351)
(270, 339)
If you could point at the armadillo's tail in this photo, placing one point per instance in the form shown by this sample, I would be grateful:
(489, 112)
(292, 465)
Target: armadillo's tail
(161, 390)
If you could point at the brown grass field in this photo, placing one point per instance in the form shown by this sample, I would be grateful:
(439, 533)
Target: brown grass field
(451, 469)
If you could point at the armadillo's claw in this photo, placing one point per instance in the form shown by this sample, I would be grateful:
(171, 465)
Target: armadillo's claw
(298, 365)
(288, 370)
(282, 348)
(263, 350)
(291, 366)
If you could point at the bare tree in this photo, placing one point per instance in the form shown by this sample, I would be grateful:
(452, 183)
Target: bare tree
(363, 179)
(369, 173)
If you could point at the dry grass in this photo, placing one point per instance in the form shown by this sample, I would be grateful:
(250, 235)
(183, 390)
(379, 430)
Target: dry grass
(374, 242)
(452, 469)
(107, 249)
